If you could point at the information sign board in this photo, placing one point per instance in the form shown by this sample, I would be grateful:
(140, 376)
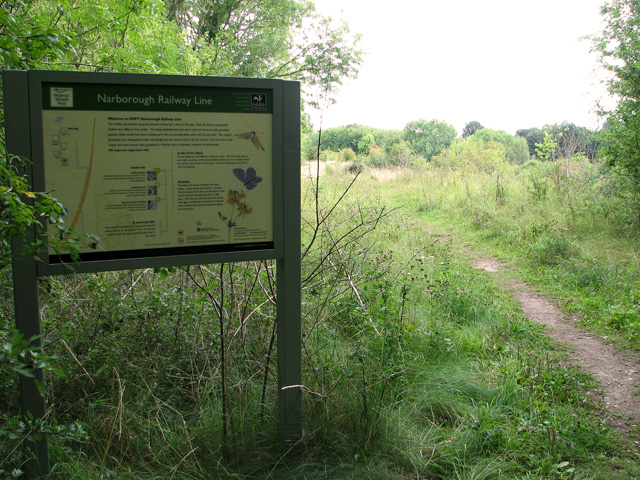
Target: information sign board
(167, 171)
(161, 167)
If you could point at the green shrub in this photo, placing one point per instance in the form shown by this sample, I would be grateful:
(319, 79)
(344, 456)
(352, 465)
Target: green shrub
(551, 248)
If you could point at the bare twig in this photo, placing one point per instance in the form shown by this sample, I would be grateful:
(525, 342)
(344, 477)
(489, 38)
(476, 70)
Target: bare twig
(307, 390)
(77, 361)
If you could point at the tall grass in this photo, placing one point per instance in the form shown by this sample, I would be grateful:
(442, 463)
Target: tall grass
(415, 365)
(568, 225)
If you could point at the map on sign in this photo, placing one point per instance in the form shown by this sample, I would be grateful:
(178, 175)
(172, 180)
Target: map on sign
(161, 167)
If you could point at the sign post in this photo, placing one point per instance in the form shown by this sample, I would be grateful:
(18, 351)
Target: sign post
(289, 293)
(25, 286)
(166, 171)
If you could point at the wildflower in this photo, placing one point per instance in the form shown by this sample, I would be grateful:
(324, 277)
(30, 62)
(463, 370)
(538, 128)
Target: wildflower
(243, 209)
(234, 197)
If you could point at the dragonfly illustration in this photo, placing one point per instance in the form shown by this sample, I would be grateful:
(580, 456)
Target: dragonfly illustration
(250, 178)
(253, 137)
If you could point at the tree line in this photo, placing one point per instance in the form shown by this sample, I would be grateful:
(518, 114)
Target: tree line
(422, 139)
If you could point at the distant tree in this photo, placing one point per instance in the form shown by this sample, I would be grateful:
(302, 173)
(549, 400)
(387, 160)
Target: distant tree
(571, 139)
(400, 154)
(577, 139)
(365, 143)
(547, 149)
(388, 139)
(490, 135)
(471, 128)
(429, 138)
(338, 138)
(518, 151)
(347, 155)
(472, 154)
(532, 136)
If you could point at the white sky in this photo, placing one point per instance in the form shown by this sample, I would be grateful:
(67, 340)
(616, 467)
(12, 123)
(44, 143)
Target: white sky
(509, 64)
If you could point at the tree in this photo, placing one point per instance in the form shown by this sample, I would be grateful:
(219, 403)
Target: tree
(518, 151)
(546, 150)
(533, 136)
(490, 135)
(471, 128)
(366, 142)
(618, 47)
(573, 139)
(429, 138)
(274, 39)
(472, 154)
(338, 138)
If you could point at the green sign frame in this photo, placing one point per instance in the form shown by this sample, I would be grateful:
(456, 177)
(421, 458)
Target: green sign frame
(149, 162)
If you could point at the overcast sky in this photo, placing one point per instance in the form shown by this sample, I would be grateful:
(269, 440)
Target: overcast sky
(508, 64)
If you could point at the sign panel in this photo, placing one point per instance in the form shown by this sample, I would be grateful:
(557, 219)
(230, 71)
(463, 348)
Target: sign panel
(161, 169)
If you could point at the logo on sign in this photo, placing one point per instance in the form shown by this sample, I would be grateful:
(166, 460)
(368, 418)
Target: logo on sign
(62, 97)
(258, 102)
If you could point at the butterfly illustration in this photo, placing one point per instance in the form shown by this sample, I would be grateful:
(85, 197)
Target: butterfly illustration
(253, 137)
(249, 178)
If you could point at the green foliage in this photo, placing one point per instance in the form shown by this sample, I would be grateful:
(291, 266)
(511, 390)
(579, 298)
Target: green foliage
(546, 150)
(415, 364)
(577, 240)
(400, 154)
(276, 39)
(25, 215)
(347, 155)
(339, 138)
(551, 248)
(533, 136)
(22, 356)
(365, 144)
(376, 147)
(472, 154)
(29, 39)
(280, 39)
(570, 139)
(499, 136)
(518, 151)
(471, 128)
(618, 47)
(428, 138)
(573, 139)
(377, 158)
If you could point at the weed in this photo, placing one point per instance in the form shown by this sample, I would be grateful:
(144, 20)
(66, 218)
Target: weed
(551, 248)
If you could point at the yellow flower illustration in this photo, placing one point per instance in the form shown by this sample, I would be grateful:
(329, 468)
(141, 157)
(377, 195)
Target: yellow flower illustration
(243, 209)
(234, 197)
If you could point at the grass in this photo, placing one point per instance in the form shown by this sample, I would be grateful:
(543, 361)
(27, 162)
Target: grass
(574, 241)
(416, 365)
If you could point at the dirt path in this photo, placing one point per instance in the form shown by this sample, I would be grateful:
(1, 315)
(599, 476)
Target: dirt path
(617, 373)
